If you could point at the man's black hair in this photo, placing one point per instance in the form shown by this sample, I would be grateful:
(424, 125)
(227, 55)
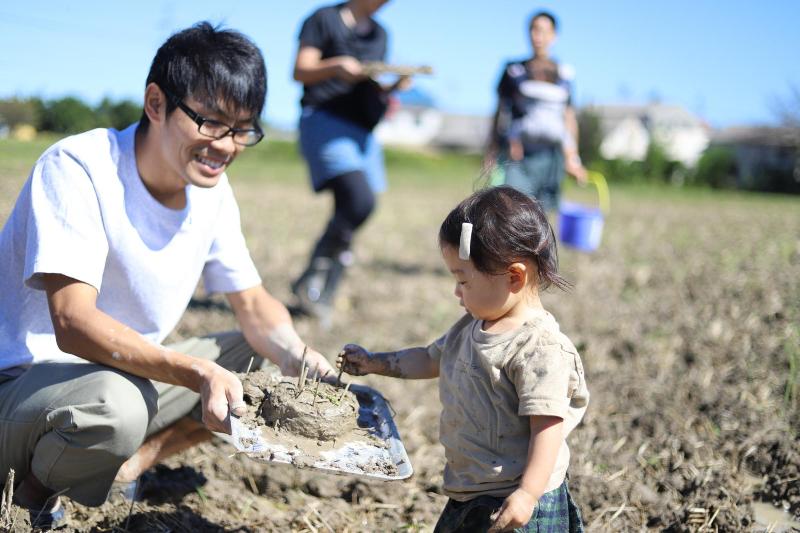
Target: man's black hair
(212, 65)
(546, 14)
(507, 226)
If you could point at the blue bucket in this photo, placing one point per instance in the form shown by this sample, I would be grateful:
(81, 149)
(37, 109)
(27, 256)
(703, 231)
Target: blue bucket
(581, 226)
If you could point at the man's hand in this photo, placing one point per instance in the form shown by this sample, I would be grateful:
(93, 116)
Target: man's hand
(220, 394)
(515, 512)
(355, 360)
(317, 365)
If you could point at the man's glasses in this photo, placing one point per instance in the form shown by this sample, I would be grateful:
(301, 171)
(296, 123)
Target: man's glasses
(216, 129)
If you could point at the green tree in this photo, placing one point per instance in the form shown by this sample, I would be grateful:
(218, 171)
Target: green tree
(16, 111)
(68, 115)
(716, 168)
(117, 115)
(590, 135)
(657, 164)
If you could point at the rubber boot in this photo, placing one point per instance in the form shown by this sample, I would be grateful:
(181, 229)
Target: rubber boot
(316, 288)
(335, 273)
(310, 285)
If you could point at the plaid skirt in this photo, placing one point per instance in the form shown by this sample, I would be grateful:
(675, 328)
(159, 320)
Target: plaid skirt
(555, 512)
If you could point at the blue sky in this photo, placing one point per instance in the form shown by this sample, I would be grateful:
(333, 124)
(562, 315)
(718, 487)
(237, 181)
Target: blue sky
(726, 61)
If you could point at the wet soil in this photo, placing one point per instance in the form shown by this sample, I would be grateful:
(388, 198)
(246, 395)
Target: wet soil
(315, 410)
(687, 321)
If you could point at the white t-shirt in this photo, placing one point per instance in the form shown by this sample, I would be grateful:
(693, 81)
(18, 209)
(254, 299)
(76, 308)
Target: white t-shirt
(85, 213)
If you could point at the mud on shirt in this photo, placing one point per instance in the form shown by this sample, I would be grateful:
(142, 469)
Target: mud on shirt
(489, 384)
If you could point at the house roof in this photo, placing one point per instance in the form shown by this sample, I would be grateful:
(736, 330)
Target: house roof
(415, 97)
(464, 131)
(653, 116)
(758, 136)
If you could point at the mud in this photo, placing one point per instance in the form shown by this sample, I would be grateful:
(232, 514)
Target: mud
(317, 411)
(321, 425)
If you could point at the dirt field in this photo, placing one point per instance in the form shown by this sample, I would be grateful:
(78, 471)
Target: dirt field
(686, 318)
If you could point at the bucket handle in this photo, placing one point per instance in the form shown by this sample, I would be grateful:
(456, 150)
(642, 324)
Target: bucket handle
(599, 182)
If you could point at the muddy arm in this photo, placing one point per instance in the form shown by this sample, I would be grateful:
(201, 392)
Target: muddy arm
(411, 363)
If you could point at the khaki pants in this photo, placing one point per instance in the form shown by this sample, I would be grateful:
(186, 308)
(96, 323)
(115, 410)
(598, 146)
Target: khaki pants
(73, 425)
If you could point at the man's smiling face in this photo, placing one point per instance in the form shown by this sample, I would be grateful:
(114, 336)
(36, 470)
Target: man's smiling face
(196, 158)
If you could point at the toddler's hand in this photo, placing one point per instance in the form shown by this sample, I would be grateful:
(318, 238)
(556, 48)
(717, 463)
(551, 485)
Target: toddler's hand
(515, 512)
(355, 360)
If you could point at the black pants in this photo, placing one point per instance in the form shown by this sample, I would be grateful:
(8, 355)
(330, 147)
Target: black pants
(354, 202)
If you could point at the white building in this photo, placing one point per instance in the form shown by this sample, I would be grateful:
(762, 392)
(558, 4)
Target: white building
(410, 125)
(629, 129)
(414, 121)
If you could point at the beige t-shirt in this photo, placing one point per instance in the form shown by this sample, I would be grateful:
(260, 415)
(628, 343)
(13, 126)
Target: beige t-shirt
(489, 384)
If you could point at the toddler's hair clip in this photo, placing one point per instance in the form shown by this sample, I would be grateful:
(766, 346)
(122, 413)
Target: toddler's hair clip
(466, 241)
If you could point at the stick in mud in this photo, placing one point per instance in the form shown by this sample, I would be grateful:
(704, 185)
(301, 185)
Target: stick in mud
(301, 379)
(341, 369)
(7, 498)
(344, 392)
(314, 402)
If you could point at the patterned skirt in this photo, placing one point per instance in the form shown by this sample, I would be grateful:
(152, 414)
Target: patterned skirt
(555, 512)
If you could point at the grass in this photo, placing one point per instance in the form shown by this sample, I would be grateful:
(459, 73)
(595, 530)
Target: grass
(17, 157)
(279, 161)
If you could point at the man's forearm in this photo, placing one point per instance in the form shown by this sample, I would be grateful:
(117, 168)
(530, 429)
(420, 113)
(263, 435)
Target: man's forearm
(267, 326)
(83, 330)
(571, 123)
(99, 338)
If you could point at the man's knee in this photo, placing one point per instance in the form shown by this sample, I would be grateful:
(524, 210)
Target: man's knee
(119, 410)
(97, 426)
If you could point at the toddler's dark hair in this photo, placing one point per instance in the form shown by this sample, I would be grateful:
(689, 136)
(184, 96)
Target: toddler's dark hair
(507, 226)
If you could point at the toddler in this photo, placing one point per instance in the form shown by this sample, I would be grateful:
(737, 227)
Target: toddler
(511, 384)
